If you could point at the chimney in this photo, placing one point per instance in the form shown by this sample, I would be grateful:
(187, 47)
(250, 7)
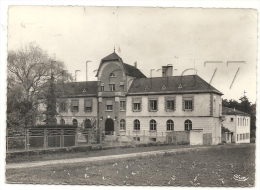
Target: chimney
(169, 71)
(135, 64)
(164, 71)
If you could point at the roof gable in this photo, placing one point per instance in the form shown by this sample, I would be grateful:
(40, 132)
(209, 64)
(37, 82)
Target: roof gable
(232, 111)
(128, 69)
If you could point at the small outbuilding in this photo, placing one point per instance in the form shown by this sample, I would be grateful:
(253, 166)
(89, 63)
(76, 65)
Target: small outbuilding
(238, 122)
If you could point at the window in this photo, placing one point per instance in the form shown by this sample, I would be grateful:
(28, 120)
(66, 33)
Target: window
(244, 136)
(109, 105)
(152, 125)
(240, 136)
(112, 75)
(237, 137)
(122, 85)
(75, 122)
(101, 88)
(170, 105)
(152, 105)
(75, 105)
(87, 123)
(75, 108)
(62, 122)
(112, 87)
(231, 119)
(62, 107)
(122, 124)
(188, 125)
(122, 105)
(169, 125)
(136, 138)
(152, 139)
(88, 105)
(188, 104)
(136, 125)
(136, 104)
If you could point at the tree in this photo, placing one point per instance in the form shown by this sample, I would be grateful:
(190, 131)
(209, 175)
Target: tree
(29, 70)
(51, 102)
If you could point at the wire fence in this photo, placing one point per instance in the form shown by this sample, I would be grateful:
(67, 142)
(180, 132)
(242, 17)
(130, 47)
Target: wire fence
(43, 139)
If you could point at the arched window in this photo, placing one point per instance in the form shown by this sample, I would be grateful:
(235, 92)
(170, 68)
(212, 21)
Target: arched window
(112, 75)
(170, 125)
(188, 125)
(75, 122)
(87, 123)
(152, 125)
(122, 124)
(62, 121)
(136, 124)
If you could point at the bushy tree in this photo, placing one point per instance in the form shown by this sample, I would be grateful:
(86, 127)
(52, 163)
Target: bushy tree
(29, 73)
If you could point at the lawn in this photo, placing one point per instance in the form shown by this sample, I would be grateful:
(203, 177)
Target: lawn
(211, 167)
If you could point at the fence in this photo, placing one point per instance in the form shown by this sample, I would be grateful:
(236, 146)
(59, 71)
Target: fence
(40, 139)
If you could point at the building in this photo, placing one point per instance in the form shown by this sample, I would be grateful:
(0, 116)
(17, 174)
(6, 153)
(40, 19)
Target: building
(238, 123)
(124, 101)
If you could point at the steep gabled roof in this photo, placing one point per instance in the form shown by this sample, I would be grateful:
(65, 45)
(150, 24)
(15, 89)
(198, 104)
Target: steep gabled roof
(89, 88)
(231, 111)
(112, 56)
(173, 84)
(128, 69)
(133, 71)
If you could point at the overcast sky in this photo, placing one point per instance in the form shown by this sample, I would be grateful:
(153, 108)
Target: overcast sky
(183, 37)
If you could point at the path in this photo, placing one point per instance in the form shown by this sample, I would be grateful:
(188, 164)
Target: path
(99, 158)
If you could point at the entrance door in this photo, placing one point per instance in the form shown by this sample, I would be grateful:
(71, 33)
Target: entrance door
(109, 127)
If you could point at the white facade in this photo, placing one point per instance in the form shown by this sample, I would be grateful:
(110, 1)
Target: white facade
(240, 126)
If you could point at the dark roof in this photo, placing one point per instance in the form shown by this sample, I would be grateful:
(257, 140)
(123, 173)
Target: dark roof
(112, 56)
(133, 71)
(231, 111)
(128, 69)
(79, 88)
(162, 85)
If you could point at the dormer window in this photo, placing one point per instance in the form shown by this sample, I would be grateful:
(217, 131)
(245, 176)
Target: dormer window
(112, 75)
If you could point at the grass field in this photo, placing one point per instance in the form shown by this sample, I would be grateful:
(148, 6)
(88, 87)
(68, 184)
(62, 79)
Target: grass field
(212, 167)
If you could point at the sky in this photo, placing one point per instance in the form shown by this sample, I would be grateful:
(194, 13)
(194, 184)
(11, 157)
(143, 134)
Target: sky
(226, 39)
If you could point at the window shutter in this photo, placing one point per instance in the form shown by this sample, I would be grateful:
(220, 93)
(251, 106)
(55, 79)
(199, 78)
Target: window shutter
(109, 102)
(59, 109)
(66, 106)
(74, 103)
(137, 100)
(88, 103)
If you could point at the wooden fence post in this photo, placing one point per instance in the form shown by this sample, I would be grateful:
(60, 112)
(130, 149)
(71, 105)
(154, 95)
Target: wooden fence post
(76, 137)
(89, 138)
(62, 138)
(7, 141)
(27, 140)
(45, 138)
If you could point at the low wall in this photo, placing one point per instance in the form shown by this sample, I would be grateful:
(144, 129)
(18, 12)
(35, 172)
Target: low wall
(196, 137)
